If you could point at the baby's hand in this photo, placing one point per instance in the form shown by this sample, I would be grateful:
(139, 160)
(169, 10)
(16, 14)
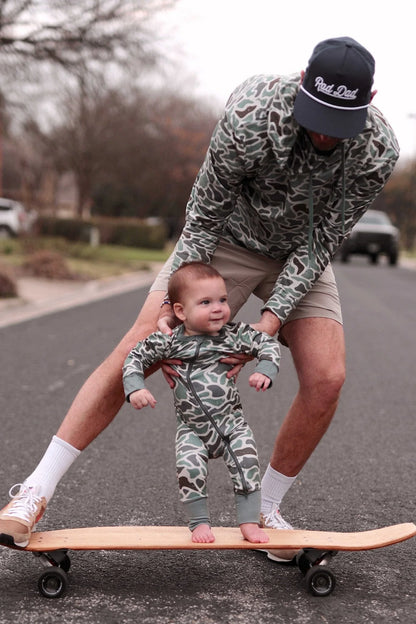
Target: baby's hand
(142, 398)
(259, 381)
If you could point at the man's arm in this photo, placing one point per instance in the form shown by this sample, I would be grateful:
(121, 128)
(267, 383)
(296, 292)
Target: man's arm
(302, 268)
(261, 345)
(269, 323)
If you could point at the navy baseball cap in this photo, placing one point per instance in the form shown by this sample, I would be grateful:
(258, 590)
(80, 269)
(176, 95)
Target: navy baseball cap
(336, 89)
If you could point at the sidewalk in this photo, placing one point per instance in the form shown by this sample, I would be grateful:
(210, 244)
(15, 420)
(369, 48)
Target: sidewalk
(38, 297)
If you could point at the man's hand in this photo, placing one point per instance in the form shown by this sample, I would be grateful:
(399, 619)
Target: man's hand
(259, 381)
(238, 359)
(169, 372)
(142, 398)
(269, 323)
(167, 320)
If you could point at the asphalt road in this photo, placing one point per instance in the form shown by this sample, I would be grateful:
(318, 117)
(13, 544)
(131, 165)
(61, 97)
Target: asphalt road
(361, 476)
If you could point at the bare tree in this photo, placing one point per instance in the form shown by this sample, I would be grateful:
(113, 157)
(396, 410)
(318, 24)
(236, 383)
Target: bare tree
(71, 33)
(78, 37)
(129, 142)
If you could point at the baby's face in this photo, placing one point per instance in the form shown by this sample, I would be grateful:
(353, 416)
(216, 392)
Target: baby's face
(204, 306)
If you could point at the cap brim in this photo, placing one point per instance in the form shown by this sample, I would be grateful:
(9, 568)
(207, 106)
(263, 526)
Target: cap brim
(332, 122)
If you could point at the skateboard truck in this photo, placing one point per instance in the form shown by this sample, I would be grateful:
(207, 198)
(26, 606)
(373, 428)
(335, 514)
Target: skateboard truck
(319, 578)
(53, 582)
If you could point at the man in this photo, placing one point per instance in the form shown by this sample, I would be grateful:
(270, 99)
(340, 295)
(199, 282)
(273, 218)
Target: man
(292, 165)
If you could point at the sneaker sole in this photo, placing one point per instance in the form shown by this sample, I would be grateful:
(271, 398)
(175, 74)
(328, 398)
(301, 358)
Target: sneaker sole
(7, 540)
(277, 559)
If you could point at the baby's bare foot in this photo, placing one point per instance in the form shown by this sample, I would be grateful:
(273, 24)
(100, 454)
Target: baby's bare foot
(253, 533)
(203, 534)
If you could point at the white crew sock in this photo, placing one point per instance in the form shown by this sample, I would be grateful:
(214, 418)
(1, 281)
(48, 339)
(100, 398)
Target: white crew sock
(58, 457)
(274, 486)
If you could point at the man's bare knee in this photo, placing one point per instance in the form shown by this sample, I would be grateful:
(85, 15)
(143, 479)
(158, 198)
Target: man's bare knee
(324, 386)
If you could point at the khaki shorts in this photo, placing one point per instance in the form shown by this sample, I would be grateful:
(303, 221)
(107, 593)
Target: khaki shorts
(246, 273)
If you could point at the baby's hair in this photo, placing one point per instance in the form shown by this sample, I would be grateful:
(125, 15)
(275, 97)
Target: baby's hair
(186, 273)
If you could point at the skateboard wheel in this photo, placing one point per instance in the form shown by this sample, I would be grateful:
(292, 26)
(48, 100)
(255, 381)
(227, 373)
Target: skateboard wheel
(320, 581)
(53, 582)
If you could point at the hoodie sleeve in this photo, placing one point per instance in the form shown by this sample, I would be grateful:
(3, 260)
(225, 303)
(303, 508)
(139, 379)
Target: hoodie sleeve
(230, 158)
(263, 347)
(373, 154)
(212, 199)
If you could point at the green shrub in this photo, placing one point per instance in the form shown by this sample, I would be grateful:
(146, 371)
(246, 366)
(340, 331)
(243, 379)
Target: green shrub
(71, 229)
(124, 232)
(128, 233)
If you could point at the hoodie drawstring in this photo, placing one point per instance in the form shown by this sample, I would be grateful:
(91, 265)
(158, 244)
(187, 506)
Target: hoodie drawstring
(310, 211)
(343, 188)
(310, 204)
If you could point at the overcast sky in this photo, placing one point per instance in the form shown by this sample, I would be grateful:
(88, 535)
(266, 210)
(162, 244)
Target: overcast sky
(222, 42)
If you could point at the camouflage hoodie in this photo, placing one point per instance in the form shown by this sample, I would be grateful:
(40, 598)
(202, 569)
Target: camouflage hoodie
(264, 187)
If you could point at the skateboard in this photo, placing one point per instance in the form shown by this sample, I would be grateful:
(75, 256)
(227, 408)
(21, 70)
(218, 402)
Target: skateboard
(315, 548)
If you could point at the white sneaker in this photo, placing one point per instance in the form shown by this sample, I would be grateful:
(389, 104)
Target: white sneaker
(274, 520)
(19, 517)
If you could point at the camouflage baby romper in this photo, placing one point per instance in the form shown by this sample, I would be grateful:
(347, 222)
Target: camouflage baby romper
(210, 420)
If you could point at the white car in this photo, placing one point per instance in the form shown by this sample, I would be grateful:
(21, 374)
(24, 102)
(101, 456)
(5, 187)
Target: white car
(14, 218)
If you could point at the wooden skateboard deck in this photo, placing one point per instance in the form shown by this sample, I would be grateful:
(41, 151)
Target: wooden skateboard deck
(314, 549)
(179, 538)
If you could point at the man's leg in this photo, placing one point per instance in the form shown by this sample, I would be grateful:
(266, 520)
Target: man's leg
(93, 409)
(101, 396)
(318, 351)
